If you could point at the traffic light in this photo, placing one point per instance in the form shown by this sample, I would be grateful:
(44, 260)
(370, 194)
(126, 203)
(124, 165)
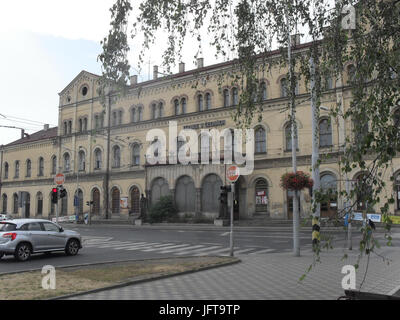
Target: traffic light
(63, 193)
(54, 195)
(226, 188)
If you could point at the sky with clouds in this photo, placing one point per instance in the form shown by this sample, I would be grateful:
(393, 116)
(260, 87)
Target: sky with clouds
(44, 44)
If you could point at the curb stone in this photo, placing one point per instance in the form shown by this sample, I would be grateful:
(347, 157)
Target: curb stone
(147, 279)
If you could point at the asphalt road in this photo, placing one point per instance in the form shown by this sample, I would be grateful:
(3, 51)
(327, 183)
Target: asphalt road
(104, 243)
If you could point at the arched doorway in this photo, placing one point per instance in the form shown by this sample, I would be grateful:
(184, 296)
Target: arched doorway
(115, 200)
(185, 194)
(64, 205)
(96, 201)
(79, 204)
(39, 201)
(135, 200)
(397, 191)
(159, 188)
(210, 192)
(27, 205)
(4, 199)
(262, 196)
(52, 206)
(328, 187)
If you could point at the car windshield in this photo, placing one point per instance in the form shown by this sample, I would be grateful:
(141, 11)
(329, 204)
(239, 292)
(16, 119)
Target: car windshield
(7, 226)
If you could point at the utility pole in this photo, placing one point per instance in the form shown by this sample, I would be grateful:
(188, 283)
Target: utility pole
(296, 217)
(316, 206)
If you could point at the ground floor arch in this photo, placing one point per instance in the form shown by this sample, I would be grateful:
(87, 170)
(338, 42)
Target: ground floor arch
(64, 205)
(27, 205)
(185, 194)
(159, 188)
(39, 204)
(96, 201)
(4, 201)
(210, 192)
(115, 200)
(134, 200)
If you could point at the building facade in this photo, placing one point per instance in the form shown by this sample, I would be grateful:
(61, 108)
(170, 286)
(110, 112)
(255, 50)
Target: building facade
(194, 99)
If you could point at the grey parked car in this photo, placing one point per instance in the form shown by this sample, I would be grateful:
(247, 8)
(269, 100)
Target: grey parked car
(22, 237)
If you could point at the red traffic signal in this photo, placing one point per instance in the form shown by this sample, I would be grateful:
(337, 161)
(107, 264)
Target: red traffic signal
(54, 195)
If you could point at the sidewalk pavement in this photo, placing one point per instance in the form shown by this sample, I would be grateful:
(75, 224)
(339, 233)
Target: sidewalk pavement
(269, 277)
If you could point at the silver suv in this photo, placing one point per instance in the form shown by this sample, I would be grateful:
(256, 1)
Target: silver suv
(22, 237)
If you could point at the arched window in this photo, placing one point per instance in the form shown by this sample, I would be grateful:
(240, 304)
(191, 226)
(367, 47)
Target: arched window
(85, 124)
(133, 115)
(235, 96)
(176, 106)
(116, 157)
(288, 137)
(226, 98)
(140, 113)
(325, 133)
(154, 111)
(54, 165)
(114, 118)
(200, 102)
(264, 93)
(97, 159)
(284, 88)
(183, 102)
(70, 127)
(6, 170)
(208, 101)
(361, 129)
(15, 203)
(41, 167)
(28, 168)
(67, 164)
(329, 203)
(328, 83)
(161, 110)
(65, 127)
(17, 169)
(120, 116)
(261, 146)
(81, 156)
(136, 155)
(180, 141)
(396, 118)
(351, 73)
(96, 122)
(80, 125)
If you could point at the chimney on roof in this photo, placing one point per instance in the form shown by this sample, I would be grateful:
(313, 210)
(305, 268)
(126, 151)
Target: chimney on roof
(134, 80)
(155, 72)
(46, 127)
(295, 39)
(181, 67)
(22, 133)
(200, 62)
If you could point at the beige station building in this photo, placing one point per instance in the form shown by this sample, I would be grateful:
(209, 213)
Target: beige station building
(195, 99)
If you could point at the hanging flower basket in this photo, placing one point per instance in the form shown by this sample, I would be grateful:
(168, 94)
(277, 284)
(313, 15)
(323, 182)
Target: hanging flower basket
(296, 181)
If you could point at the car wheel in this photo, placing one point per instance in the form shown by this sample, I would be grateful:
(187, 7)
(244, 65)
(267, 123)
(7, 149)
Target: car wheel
(23, 252)
(72, 247)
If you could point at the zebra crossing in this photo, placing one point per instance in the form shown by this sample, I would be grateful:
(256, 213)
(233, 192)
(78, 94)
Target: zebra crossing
(174, 248)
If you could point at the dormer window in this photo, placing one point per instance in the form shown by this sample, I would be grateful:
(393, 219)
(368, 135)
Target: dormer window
(84, 90)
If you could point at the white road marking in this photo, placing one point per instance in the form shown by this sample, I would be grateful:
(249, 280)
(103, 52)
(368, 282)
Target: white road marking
(172, 248)
(187, 249)
(244, 250)
(225, 234)
(198, 250)
(159, 247)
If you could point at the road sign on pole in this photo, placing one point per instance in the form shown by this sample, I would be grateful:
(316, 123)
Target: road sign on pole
(59, 179)
(232, 173)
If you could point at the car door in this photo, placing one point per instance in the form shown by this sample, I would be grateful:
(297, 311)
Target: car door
(33, 231)
(54, 238)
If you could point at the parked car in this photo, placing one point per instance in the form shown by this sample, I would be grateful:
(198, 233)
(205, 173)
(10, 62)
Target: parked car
(23, 237)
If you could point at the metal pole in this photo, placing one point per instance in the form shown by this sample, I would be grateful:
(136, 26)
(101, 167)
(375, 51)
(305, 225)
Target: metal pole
(57, 208)
(107, 178)
(231, 234)
(349, 217)
(316, 206)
